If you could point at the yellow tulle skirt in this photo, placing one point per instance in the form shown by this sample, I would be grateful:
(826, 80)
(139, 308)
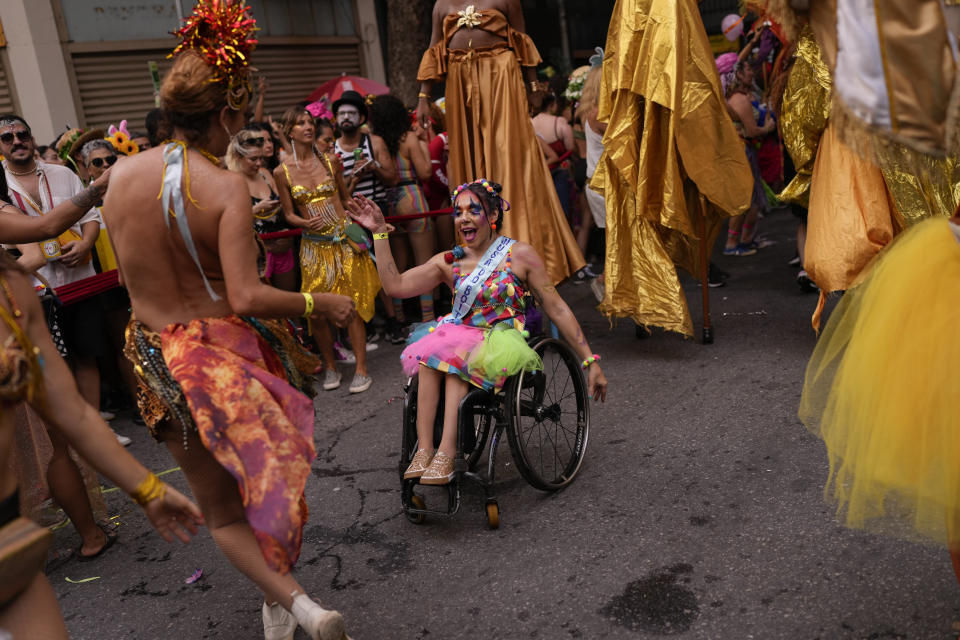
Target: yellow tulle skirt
(882, 390)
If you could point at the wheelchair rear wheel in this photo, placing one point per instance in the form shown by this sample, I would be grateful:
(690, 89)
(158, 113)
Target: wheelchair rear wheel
(548, 417)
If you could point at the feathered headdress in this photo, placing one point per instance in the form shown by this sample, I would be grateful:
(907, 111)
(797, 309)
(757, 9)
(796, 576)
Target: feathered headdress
(222, 32)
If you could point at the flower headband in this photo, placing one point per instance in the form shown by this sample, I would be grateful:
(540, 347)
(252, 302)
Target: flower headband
(221, 31)
(504, 205)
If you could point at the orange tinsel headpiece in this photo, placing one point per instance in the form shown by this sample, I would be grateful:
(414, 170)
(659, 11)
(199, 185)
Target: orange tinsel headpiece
(222, 32)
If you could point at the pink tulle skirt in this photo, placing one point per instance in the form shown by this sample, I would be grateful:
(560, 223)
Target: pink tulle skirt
(450, 344)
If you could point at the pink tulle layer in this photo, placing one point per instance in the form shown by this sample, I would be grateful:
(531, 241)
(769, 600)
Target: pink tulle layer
(448, 343)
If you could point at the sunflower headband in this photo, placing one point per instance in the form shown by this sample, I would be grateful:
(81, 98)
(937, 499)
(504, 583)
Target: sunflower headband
(221, 31)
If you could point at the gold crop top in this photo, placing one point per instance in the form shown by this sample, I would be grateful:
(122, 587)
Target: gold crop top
(317, 201)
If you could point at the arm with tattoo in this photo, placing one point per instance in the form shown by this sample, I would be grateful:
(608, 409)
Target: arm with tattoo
(19, 228)
(89, 197)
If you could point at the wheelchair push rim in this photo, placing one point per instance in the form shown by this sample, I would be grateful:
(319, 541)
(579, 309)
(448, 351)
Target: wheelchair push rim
(549, 418)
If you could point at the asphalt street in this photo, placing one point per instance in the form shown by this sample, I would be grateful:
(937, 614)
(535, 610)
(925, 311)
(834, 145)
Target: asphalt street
(698, 512)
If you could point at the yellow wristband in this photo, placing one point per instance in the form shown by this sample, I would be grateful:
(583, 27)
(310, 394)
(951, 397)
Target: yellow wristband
(308, 311)
(381, 236)
(423, 95)
(149, 490)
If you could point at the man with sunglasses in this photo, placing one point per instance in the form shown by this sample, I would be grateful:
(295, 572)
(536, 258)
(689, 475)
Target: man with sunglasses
(37, 187)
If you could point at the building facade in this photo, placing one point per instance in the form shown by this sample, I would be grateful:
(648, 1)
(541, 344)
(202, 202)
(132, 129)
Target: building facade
(86, 62)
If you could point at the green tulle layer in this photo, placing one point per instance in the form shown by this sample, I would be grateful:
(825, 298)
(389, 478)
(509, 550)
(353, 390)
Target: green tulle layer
(504, 352)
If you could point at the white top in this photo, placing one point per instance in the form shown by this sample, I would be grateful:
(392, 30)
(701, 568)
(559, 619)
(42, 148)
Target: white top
(594, 199)
(57, 184)
(594, 148)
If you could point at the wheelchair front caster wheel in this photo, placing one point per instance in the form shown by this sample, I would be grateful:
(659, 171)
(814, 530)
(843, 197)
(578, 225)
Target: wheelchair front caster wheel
(417, 503)
(493, 514)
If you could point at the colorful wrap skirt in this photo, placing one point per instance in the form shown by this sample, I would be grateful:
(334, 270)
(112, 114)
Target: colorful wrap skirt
(230, 380)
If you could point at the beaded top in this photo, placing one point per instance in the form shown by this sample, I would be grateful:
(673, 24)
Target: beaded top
(502, 298)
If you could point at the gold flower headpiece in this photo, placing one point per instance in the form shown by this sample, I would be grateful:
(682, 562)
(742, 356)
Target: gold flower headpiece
(222, 32)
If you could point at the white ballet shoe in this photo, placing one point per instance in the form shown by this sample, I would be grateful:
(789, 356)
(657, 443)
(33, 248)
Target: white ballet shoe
(319, 623)
(278, 623)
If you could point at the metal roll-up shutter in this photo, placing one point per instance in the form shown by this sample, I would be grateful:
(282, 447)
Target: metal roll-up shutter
(116, 85)
(6, 92)
(294, 71)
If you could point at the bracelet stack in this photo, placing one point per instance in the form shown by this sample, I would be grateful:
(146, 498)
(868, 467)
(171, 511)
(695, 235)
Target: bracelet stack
(149, 490)
(308, 311)
(589, 361)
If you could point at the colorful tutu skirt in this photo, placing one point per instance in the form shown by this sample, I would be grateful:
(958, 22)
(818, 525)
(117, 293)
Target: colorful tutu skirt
(881, 390)
(483, 357)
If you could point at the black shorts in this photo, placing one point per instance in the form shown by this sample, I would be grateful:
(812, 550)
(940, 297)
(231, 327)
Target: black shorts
(84, 328)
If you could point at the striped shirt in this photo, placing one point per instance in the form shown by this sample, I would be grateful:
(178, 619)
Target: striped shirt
(370, 186)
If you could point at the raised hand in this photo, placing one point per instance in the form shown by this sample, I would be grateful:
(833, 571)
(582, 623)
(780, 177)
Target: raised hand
(174, 515)
(365, 213)
(340, 310)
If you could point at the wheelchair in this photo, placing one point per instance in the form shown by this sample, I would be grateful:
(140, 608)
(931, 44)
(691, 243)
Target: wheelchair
(546, 417)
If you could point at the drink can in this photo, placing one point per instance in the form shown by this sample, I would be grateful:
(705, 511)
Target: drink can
(50, 248)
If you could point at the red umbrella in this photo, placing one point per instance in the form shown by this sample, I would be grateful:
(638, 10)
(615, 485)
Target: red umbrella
(333, 89)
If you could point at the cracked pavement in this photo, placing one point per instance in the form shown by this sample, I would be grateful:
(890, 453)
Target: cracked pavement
(698, 512)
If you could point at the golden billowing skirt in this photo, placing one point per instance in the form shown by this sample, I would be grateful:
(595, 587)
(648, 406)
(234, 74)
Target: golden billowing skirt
(491, 136)
(337, 267)
(881, 390)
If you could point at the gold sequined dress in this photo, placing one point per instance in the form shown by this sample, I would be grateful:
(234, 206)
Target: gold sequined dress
(329, 261)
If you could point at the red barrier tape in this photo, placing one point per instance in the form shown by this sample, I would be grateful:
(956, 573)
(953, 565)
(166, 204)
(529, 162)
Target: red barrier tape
(413, 216)
(88, 287)
(561, 160)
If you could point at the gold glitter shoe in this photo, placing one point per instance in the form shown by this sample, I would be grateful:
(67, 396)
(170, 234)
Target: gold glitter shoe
(440, 470)
(421, 460)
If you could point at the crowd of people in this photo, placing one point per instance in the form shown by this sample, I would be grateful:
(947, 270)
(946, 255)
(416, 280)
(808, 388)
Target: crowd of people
(259, 218)
(290, 246)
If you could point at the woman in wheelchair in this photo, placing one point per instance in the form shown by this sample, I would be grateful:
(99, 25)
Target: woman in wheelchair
(482, 341)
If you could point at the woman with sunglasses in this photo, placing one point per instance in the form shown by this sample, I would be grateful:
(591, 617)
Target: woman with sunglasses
(98, 156)
(245, 156)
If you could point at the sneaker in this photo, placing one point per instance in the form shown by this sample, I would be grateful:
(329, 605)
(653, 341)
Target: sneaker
(123, 440)
(278, 623)
(440, 470)
(715, 277)
(421, 460)
(360, 383)
(372, 346)
(583, 275)
(343, 355)
(739, 250)
(107, 415)
(805, 283)
(319, 623)
(394, 332)
(331, 379)
(795, 262)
